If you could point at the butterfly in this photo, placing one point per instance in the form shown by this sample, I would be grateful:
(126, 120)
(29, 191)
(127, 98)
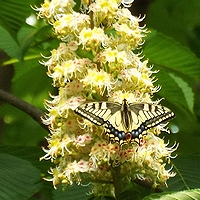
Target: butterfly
(125, 122)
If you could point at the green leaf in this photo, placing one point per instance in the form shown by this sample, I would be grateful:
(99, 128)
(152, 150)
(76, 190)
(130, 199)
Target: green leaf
(188, 173)
(8, 44)
(168, 56)
(30, 154)
(77, 6)
(102, 198)
(25, 36)
(20, 128)
(25, 77)
(186, 195)
(178, 70)
(77, 192)
(187, 91)
(174, 18)
(171, 91)
(18, 178)
(13, 14)
(11, 47)
(129, 195)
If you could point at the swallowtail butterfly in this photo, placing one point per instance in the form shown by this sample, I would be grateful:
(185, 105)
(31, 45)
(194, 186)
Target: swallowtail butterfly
(124, 122)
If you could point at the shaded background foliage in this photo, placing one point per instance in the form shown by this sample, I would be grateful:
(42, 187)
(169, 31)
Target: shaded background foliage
(173, 47)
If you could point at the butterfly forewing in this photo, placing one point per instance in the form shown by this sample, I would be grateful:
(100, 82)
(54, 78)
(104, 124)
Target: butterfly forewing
(151, 115)
(124, 121)
(98, 113)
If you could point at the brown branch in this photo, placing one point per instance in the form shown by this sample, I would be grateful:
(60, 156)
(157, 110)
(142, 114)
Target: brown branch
(32, 111)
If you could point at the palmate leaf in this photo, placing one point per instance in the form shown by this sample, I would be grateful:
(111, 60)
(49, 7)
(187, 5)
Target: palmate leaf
(28, 153)
(188, 173)
(13, 14)
(18, 178)
(17, 48)
(8, 44)
(31, 154)
(78, 192)
(186, 195)
(15, 34)
(178, 69)
(105, 198)
(167, 55)
(187, 91)
(176, 19)
(175, 88)
(24, 37)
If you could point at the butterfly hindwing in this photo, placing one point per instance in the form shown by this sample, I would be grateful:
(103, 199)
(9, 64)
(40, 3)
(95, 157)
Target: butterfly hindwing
(124, 122)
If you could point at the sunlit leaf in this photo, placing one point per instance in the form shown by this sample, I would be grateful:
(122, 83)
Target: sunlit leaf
(168, 56)
(186, 195)
(187, 91)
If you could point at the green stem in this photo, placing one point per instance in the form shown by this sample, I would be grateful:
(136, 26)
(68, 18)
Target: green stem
(117, 180)
(91, 17)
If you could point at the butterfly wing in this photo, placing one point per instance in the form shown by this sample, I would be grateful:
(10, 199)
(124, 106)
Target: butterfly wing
(124, 122)
(108, 114)
(99, 112)
(149, 115)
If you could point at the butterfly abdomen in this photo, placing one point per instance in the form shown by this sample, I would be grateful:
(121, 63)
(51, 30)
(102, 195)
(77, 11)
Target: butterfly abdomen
(126, 115)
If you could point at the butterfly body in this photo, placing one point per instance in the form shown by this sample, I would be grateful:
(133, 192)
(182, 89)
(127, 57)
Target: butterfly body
(124, 122)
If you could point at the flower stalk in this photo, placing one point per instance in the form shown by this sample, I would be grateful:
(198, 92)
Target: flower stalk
(99, 59)
(117, 181)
